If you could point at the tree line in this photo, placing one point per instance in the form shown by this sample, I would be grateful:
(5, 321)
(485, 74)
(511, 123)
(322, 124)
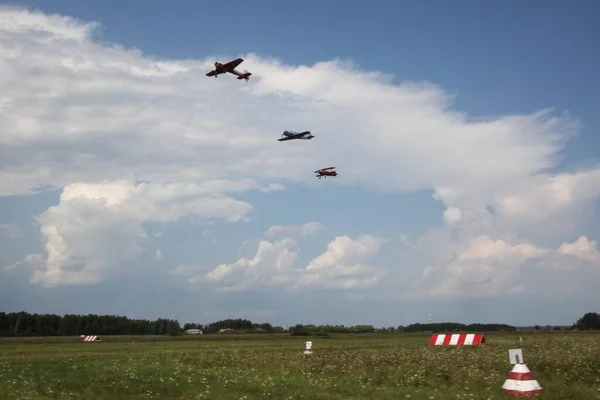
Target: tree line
(589, 320)
(26, 324)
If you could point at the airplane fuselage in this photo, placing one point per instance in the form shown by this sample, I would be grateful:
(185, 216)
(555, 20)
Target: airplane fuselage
(326, 174)
(306, 135)
(229, 68)
(220, 68)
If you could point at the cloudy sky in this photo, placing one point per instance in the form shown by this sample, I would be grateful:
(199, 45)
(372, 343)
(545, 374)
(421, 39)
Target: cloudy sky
(465, 138)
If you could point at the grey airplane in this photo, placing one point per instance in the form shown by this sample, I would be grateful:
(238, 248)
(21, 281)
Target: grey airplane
(290, 135)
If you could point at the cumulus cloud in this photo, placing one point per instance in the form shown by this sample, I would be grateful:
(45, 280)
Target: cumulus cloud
(95, 228)
(542, 204)
(274, 265)
(582, 248)
(75, 111)
(94, 112)
(487, 247)
(484, 266)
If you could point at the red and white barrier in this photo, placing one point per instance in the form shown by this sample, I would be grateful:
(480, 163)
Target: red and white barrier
(91, 338)
(457, 339)
(521, 382)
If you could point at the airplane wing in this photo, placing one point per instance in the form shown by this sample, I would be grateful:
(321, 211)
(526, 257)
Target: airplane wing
(233, 64)
(213, 73)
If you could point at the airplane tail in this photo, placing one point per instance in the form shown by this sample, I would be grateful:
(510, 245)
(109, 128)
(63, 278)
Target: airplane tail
(245, 75)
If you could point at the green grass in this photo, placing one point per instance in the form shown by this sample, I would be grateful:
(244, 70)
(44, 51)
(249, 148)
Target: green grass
(377, 366)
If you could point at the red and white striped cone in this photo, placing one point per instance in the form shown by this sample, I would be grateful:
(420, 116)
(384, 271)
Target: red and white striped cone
(308, 348)
(521, 382)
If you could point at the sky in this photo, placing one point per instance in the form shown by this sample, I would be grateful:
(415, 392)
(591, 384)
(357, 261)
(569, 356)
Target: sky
(466, 139)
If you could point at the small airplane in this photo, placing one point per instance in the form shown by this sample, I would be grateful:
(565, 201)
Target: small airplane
(230, 67)
(290, 135)
(325, 172)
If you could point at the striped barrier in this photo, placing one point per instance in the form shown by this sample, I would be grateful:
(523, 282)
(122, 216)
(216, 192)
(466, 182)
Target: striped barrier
(457, 339)
(91, 338)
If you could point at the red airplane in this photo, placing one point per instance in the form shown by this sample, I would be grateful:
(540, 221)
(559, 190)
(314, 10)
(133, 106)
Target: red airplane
(229, 67)
(325, 172)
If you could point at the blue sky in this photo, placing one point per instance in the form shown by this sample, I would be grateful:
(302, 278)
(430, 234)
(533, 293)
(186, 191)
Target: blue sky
(99, 122)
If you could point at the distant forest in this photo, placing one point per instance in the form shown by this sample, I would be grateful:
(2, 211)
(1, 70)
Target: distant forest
(26, 324)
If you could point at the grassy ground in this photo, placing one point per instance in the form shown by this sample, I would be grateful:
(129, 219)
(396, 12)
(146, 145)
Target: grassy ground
(378, 366)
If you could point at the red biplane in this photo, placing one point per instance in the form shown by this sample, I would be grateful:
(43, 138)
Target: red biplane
(229, 67)
(325, 172)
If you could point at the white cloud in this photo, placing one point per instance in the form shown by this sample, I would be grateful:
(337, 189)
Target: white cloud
(485, 267)
(44, 27)
(562, 198)
(94, 112)
(482, 266)
(343, 250)
(96, 228)
(342, 264)
(274, 265)
(544, 201)
(452, 215)
(484, 248)
(294, 231)
(75, 112)
(488, 237)
(581, 248)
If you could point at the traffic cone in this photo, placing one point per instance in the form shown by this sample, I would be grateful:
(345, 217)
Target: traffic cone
(308, 348)
(521, 382)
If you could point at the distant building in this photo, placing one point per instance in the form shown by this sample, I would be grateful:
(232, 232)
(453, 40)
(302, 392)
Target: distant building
(194, 331)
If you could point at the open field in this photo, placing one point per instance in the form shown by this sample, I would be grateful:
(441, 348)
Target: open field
(374, 366)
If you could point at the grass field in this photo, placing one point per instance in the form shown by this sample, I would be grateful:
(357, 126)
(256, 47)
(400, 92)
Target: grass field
(375, 366)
